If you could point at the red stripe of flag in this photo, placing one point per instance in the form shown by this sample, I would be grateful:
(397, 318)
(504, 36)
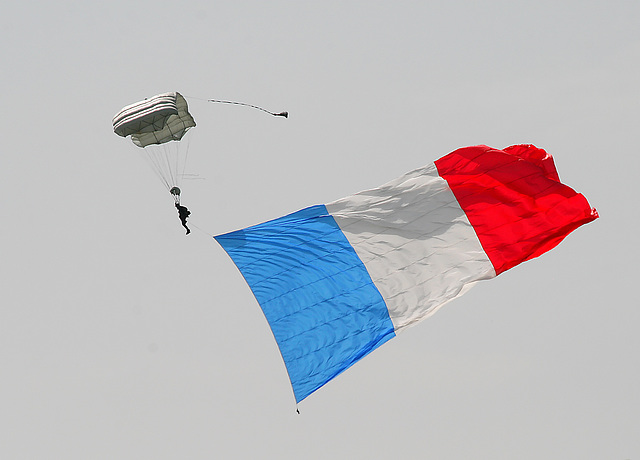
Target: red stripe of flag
(514, 200)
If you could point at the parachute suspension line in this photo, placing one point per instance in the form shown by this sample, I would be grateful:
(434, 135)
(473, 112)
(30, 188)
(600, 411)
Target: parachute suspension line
(186, 157)
(176, 169)
(168, 165)
(281, 114)
(168, 162)
(159, 159)
(151, 158)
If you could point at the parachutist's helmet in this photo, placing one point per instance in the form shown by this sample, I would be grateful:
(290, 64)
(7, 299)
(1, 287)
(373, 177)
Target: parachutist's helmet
(175, 191)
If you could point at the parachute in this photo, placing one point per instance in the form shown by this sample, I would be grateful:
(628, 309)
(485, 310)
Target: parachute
(158, 125)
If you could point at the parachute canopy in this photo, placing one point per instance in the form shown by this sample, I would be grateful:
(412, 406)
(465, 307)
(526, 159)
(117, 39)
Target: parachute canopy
(336, 281)
(155, 120)
(152, 125)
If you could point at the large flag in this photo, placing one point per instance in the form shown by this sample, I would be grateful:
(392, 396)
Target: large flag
(336, 281)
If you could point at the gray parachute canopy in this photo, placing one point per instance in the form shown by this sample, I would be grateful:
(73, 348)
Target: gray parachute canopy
(152, 125)
(156, 120)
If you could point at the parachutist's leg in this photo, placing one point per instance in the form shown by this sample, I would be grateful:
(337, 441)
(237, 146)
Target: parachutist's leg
(184, 224)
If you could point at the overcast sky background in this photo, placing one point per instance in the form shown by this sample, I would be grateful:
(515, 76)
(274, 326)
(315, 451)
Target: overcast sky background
(122, 338)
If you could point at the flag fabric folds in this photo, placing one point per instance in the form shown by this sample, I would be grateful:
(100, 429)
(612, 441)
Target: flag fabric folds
(336, 281)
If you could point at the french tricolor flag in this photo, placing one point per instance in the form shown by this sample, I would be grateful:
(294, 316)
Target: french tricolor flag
(336, 281)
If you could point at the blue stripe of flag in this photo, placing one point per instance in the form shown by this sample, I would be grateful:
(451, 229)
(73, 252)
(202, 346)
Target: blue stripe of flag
(323, 309)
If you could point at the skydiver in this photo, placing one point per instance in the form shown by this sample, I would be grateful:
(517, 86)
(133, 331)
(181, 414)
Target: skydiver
(183, 213)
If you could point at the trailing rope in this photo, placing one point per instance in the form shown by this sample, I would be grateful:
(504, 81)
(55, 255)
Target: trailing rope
(281, 114)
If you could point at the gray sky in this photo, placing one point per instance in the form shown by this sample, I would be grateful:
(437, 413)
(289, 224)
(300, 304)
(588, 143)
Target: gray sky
(122, 338)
